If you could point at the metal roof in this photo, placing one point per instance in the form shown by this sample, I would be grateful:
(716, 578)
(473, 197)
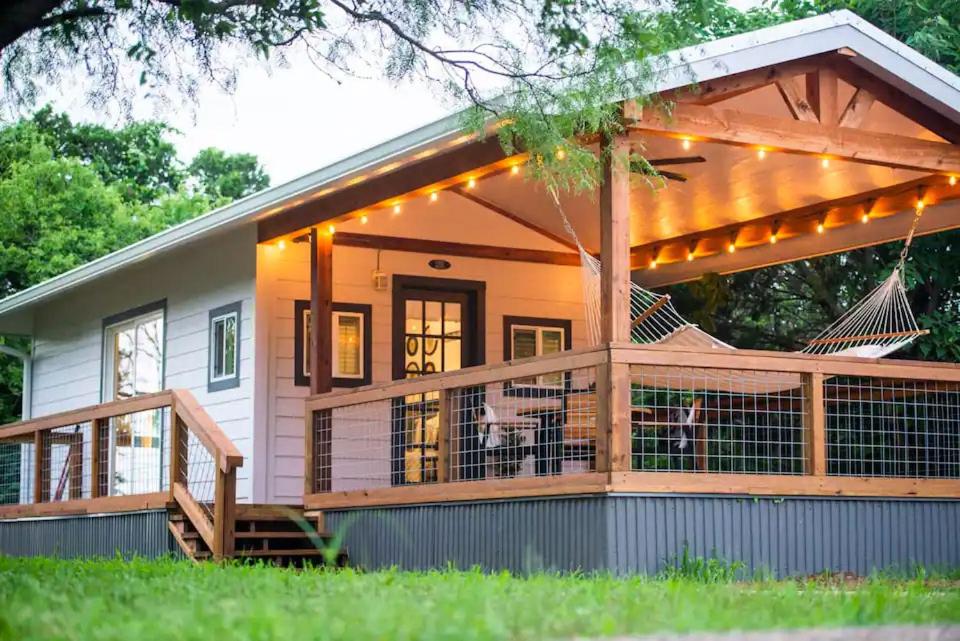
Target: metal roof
(878, 52)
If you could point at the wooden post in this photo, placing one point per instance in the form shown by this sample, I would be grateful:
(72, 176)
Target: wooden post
(179, 450)
(38, 462)
(613, 379)
(814, 426)
(443, 438)
(75, 462)
(96, 460)
(317, 445)
(224, 514)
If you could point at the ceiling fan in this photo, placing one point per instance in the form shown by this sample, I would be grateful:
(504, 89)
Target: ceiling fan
(655, 164)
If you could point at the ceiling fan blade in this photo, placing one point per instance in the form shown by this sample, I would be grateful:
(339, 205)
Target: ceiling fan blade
(680, 160)
(672, 175)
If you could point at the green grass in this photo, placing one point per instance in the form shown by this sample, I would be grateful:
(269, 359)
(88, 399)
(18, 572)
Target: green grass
(178, 601)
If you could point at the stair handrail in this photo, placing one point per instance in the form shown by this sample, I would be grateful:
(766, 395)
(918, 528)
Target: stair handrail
(219, 532)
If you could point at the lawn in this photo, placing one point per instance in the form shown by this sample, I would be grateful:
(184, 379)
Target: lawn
(175, 600)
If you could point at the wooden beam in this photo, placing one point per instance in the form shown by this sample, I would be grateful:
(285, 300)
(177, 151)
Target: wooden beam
(857, 109)
(321, 312)
(899, 101)
(615, 243)
(497, 209)
(805, 138)
(376, 189)
(822, 89)
(421, 246)
(102, 505)
(802, 220)
(712, 91)
(799, 108)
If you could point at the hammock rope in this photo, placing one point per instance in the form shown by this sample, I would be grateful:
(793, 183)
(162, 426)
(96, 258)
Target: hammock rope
(879, 324)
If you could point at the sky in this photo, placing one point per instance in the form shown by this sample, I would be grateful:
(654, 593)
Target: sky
(295, 119)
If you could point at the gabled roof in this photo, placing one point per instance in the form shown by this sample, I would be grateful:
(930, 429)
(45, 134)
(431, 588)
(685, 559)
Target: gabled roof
(878, 53)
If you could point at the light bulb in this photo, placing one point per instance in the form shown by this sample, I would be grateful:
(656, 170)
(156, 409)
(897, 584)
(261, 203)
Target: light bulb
(761, 153)
(825, 163)
(686, 144)
(731, 248)
(820, 228)
(653, 263)
(865, 219)
(689, 256)
(281, 244)
(364, 219)
(331, 230)
(921, 205)
(515, 170)
(952, 180)
(396, 209)
(773, 239)
(433, 197)
(471, 183)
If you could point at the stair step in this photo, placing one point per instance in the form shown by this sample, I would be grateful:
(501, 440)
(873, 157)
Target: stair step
(300, 534)
(294, 552)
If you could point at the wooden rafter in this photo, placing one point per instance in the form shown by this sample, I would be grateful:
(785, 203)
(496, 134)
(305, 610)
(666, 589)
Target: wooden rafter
(792, 136)
(799, 108)
(857, 109)
(446, 248)
(506, 213)
(822, 88)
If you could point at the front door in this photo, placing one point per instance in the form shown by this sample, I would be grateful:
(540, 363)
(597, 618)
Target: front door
(436, 327)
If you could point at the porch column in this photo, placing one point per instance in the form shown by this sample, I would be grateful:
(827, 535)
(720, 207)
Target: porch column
(613, 379)
(317, 428)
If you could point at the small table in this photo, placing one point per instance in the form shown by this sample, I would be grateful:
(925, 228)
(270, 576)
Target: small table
(548, 438)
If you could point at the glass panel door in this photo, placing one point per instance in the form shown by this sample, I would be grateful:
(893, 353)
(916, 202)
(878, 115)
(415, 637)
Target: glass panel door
(134, 359)
(433, 341)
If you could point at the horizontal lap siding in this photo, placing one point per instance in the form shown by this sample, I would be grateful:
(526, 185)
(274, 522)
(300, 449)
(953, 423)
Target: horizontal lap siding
(513, 288)
(631, 534)
(68, 333)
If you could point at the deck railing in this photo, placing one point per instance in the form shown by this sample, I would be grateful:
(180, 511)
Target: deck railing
(139, 453)
(640, 418)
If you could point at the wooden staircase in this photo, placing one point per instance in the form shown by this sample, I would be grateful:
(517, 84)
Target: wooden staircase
(274, 533)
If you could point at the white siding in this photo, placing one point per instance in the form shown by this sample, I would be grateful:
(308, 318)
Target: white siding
(512, 288)
(68, 333)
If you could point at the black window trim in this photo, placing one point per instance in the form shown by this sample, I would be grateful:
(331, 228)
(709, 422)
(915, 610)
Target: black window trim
(233, 381)
(302, 379)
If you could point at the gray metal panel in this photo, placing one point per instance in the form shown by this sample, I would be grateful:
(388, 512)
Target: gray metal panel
(630, 534)
(129, 534)
(518, 535)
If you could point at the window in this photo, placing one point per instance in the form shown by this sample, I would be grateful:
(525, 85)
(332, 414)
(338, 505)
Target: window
(526, 337)
(224, 354)
(350, 342)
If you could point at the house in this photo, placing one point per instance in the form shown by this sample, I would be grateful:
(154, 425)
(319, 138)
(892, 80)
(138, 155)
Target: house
(407, 347)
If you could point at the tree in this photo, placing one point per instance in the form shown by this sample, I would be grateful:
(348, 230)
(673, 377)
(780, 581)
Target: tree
(227, 176)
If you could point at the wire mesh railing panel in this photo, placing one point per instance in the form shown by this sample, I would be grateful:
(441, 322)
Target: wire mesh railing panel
(67, 463)
(17, 458)
(539, 426)
(137, 453)
(359, 447)
(687, 419)
(197, 469)
(892, 427)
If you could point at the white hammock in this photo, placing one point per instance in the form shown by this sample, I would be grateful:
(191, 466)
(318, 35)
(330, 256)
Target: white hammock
(879, 324)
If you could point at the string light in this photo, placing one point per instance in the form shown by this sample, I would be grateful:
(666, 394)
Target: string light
(952, 180)
(821, 226)
(825, 163)
(433, 197)
(920, 204)
(515, 170)
(653, 258)
(686, 144)
(396, 208)
(364, 219)
(691, 250)
(331, 230)
(761, 153)
(732, 245)
(774, 230)
(471, 183)
(865, 218)
(281, 244)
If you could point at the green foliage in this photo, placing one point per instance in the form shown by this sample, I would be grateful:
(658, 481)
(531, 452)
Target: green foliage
(227, 176)
(702, 570)
(72, 192)
(146, 600)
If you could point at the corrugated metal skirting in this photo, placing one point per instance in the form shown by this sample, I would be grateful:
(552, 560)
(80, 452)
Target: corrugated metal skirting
(131, 534)
(630, 534)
